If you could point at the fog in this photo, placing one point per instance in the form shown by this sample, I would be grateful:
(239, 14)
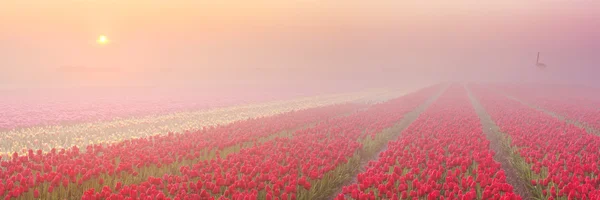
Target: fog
(51, 44)
(299, 99)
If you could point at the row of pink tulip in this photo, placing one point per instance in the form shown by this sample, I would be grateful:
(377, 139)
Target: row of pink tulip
(21, 109)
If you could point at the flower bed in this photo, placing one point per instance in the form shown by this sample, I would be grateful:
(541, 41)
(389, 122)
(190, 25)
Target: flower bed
(442, 155)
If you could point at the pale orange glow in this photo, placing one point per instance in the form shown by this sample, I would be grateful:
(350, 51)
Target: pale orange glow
(102, 40)
(176, 41)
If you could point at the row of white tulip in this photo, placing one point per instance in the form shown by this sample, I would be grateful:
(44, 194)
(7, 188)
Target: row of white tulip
(82, 134)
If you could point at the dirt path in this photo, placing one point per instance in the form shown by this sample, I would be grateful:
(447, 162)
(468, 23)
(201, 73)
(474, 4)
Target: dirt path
(493, 134)
(408, 119)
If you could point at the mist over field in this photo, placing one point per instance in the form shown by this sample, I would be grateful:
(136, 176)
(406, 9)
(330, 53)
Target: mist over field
(267, 42)
(299, 99)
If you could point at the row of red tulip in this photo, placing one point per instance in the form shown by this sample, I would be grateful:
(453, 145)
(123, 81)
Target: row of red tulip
(559, 159)
(134, 160)
(581, 106)
(304, 166)
(442, 155)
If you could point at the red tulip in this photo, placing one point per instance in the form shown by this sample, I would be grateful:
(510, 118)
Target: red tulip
(450, 122)
(311, 152)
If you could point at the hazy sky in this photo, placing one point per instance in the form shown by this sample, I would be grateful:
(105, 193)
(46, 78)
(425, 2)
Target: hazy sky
(46, 43)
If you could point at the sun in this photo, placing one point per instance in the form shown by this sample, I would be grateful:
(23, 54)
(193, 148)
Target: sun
(102, 39)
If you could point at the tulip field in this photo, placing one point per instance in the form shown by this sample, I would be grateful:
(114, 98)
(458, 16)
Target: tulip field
(430, 143)
(581, 106)
(560, 160)
(84, 106)
(442, 155)
(65, 107)
(81, 134)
